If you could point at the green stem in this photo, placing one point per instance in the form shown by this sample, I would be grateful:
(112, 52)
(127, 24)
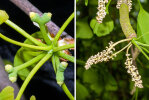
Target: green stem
(30, 62)
(57, 62)
(133, 97)
(24, 45)
(63, 28)
(64, 87)
(139, 43)
(142, 35)
(54, 63)
(145, 49)
(80, 62)
(34, 53)
(122, 49)
(118, 42)
(31, 74)
(136, 95)
(107, 7)
(65, 56)
(140, 49)
(45, 34)
(63, 47)
(25, 34)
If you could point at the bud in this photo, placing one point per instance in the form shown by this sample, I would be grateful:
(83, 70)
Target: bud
(46, 17)
(32, 14)
(3, 16)
(64, 64)
(8, 68)
(60, 83)
(34, 17)
(60, 77)
(49, 14)
(13, 77)
(60, 73)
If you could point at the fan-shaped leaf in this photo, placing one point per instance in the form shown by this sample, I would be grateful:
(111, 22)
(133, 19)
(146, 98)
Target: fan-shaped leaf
(25, 54)
(104, 28)
(142, 25)
(7, 93)
(83, 29)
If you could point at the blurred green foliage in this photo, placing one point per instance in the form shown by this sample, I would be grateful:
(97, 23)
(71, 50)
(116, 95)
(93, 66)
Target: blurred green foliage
(109, 80)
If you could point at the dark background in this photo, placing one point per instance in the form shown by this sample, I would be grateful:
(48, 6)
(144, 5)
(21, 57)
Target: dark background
(43, 85)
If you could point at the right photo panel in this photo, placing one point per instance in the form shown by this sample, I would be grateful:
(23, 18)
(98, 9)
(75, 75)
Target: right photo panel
(112, 50)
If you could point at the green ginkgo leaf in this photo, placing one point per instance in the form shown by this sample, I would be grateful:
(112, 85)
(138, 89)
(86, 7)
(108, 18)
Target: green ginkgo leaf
(83, 29)
(25, 54)
(142, 25)
(104, 28)
(7, 93)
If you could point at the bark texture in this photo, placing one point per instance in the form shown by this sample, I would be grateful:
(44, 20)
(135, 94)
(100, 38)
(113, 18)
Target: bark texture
(27, 7)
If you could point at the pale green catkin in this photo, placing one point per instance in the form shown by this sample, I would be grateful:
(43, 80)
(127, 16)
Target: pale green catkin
(125, 21)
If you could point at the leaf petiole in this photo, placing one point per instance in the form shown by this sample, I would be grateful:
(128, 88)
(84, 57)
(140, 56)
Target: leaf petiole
(29, 63)
(45, 34)
(134, 42)
(32, 73)
(136, 94)
(145, 49)
(63, 28)
(53, 63)
(122, 49)
(142, 44)
(22, 32)
(65, 56)
(55, 49)
(25, 45)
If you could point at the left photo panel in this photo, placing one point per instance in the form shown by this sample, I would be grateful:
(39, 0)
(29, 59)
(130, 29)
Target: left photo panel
(37, 50)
